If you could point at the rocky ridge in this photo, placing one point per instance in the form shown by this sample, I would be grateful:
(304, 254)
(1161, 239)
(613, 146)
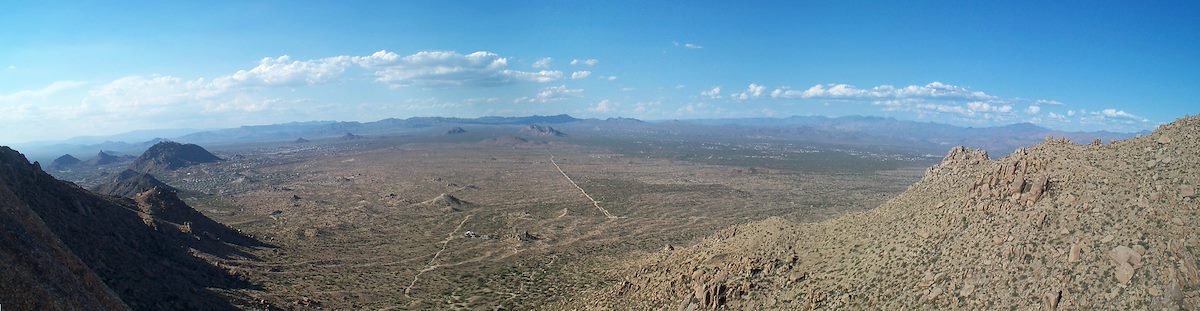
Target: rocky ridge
(129, 183)
(538, 130)
(168, 156)
(1058, 226)
(57, 224)
(63, 162)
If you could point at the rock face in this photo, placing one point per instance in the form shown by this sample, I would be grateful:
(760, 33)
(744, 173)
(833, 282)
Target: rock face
(64, 162)
(103, 158)
(103, 242)
(40, 272)
(538, 130)
(129, 183)
(456, 130)
(1058, 226)
(169, 156)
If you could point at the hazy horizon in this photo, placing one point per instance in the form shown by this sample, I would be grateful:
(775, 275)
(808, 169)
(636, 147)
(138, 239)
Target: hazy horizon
(111, 68)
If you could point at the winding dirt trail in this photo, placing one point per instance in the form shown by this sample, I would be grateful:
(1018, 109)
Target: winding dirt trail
(431, 264)
(589, 197)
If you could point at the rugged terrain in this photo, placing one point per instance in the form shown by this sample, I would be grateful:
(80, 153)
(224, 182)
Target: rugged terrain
(168, 155)
(387, 222)
(68, 248)
(1055, 226)
(130, 183)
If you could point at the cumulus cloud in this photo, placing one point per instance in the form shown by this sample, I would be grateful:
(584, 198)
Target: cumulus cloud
(580, 74)
(986, 107)
(542, 63)
(752, 91)
(611, 78)
(444, 69)
(692, 46)
(1033, 109)
(714, 92)
(603, 106)
(1114, 113)
(552, 94)
(586, 62)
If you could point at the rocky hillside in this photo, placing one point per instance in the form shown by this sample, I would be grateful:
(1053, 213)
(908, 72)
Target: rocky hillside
(169, 155)
(65, 238)
(104, 158)
(39, 271)
(1059, 226)
(129, 183)
(64, 162)
(538, 130)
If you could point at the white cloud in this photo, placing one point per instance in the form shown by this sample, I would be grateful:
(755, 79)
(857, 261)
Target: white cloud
(644, 107)
(692, 108)
(552, 94)
(445, 69)
(603, 106)
(11, 67)
(542, 63)
(1070, 113)
(752, 91)
(1114, 113)
(580, 74)
(692, 46)
(41, 93)
(540, 76)
(282, 71)
(714, 92)
(588, 62)
(609, 78)
(1033, 109)
(986, 107)
(844, 91)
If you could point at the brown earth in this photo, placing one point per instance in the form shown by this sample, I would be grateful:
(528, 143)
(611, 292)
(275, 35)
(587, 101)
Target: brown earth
(1056, 226)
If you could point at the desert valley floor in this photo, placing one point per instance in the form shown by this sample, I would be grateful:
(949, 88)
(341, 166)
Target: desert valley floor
(377, 223)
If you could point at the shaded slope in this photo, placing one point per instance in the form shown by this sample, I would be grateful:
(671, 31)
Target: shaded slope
(129, 183)
(103, 158)
(39, 272)
(147, 268)
(63, 162)
(1056, 226)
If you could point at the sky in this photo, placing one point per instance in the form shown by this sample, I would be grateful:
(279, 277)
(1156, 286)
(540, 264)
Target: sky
(95, 68)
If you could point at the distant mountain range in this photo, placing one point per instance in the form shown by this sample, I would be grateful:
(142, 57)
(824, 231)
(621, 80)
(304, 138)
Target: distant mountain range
(890, 131)
(850, 130)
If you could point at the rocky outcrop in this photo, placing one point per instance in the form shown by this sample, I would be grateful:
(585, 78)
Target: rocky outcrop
(66, 161)
(104, 158)
(146, 268)
(1058, 226)
(544, 131)
(169, 156)
(129, 183)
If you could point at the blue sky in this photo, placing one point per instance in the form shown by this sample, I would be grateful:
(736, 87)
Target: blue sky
(90, 68)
